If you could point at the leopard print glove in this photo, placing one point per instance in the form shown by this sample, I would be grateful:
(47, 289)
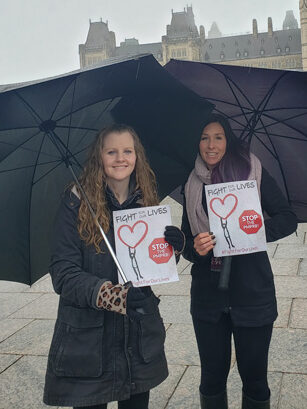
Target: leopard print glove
(112, 297)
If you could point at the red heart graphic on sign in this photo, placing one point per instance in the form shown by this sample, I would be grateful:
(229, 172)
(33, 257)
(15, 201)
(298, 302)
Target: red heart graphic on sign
(133, 236)
(223, 208)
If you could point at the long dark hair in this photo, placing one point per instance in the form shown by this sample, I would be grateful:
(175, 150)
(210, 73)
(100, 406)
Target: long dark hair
(235, 164)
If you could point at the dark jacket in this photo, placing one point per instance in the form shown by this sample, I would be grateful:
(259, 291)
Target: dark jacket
(96, 356)
(250, 299)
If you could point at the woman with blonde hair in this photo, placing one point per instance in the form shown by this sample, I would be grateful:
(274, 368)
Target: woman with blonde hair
(108, 342)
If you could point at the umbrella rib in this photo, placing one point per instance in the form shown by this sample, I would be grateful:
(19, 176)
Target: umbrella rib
(278, 161)
(62, 96)
(227, 103)
(19, 146)
(278, 135)
(227, 77)
(77, 127)
(229, 117)
(284, 123)
(28, 166)
(47, 173)
(70, 117)
(281, 109)
(98, 116)
(30, 200)
(30, 108)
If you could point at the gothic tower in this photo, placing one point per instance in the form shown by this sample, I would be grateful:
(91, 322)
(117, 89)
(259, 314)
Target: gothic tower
(303, 16)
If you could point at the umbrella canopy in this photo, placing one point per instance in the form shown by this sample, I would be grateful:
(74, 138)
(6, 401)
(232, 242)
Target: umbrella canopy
(266, 108)
(47, 124)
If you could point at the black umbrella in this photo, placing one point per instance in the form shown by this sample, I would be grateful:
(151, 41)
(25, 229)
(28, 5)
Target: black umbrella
(268, 109)
(47, 126)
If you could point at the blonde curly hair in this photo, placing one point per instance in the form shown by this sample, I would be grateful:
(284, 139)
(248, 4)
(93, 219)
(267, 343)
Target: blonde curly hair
(93, 181)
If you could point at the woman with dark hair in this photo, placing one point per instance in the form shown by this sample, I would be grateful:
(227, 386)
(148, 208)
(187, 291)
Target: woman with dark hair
(108, 342)
(247, 309)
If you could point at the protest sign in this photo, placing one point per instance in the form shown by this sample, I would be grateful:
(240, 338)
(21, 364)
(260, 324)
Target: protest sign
(141, 249)
(235, 217)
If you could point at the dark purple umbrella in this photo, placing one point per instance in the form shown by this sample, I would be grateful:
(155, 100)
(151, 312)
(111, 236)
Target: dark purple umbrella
(268, 109)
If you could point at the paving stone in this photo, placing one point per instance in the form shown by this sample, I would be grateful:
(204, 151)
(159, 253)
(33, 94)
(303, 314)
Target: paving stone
(181, 287)
(298, 317)
(21, 385)
(44, 285)
(234, 386)
(288, 352)
(284, 266)
(175, 309)
(291, 287)
(180, 345)
(293, 392)
(302, 268)
(6, 360)
(302, 227)
(187, 270)
(186, 395)
(160, 395)
(295, 238)
(12, 287)
(182, 265)
(284, 308)
(271, 249)
(10, 326)
(11, 303)
(44, 307)
(291, 251)
(34, 339)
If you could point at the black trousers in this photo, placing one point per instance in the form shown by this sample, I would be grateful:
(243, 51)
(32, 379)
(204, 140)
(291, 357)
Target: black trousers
(139, 401)
(252, 347)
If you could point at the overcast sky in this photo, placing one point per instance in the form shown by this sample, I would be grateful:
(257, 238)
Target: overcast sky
(40, 38)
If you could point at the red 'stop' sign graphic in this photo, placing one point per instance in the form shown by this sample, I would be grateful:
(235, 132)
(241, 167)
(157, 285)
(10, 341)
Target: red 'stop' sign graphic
(250, 221)
(160, 251)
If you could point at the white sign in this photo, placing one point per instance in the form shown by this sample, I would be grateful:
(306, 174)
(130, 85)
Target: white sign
(141, 249)
(235, 218)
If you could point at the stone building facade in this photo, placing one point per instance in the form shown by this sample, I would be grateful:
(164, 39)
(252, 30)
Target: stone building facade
(282, 49)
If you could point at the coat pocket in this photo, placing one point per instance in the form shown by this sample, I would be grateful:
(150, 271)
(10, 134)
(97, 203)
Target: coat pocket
(152, 336)
(78, 346)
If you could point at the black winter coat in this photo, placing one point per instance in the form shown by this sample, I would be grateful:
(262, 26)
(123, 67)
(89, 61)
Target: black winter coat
(250, 299)
(96, 356)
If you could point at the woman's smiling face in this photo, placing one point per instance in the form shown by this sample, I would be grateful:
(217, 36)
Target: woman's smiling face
(212, 145)
(118, 156)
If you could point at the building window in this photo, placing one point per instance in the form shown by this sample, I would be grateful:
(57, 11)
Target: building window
(210, 46)
(238, 54)
(222, 56)
(173, 53)
(184, 52)
(290, 38)
(278, 50)
(287, 49)
(262, 51)
(159, 56)
(276, 39)
(245, 53)
(178, 53)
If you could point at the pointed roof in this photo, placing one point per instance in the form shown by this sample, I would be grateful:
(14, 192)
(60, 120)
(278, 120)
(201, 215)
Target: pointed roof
(183, 24)
(290, 21)
(214, 31)
(97, 35)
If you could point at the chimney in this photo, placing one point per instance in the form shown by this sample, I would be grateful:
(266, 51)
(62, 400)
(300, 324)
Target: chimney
(270, 27)
(255, 28)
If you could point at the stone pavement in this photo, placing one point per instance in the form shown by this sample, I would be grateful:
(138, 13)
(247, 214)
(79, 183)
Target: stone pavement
(27, 317)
